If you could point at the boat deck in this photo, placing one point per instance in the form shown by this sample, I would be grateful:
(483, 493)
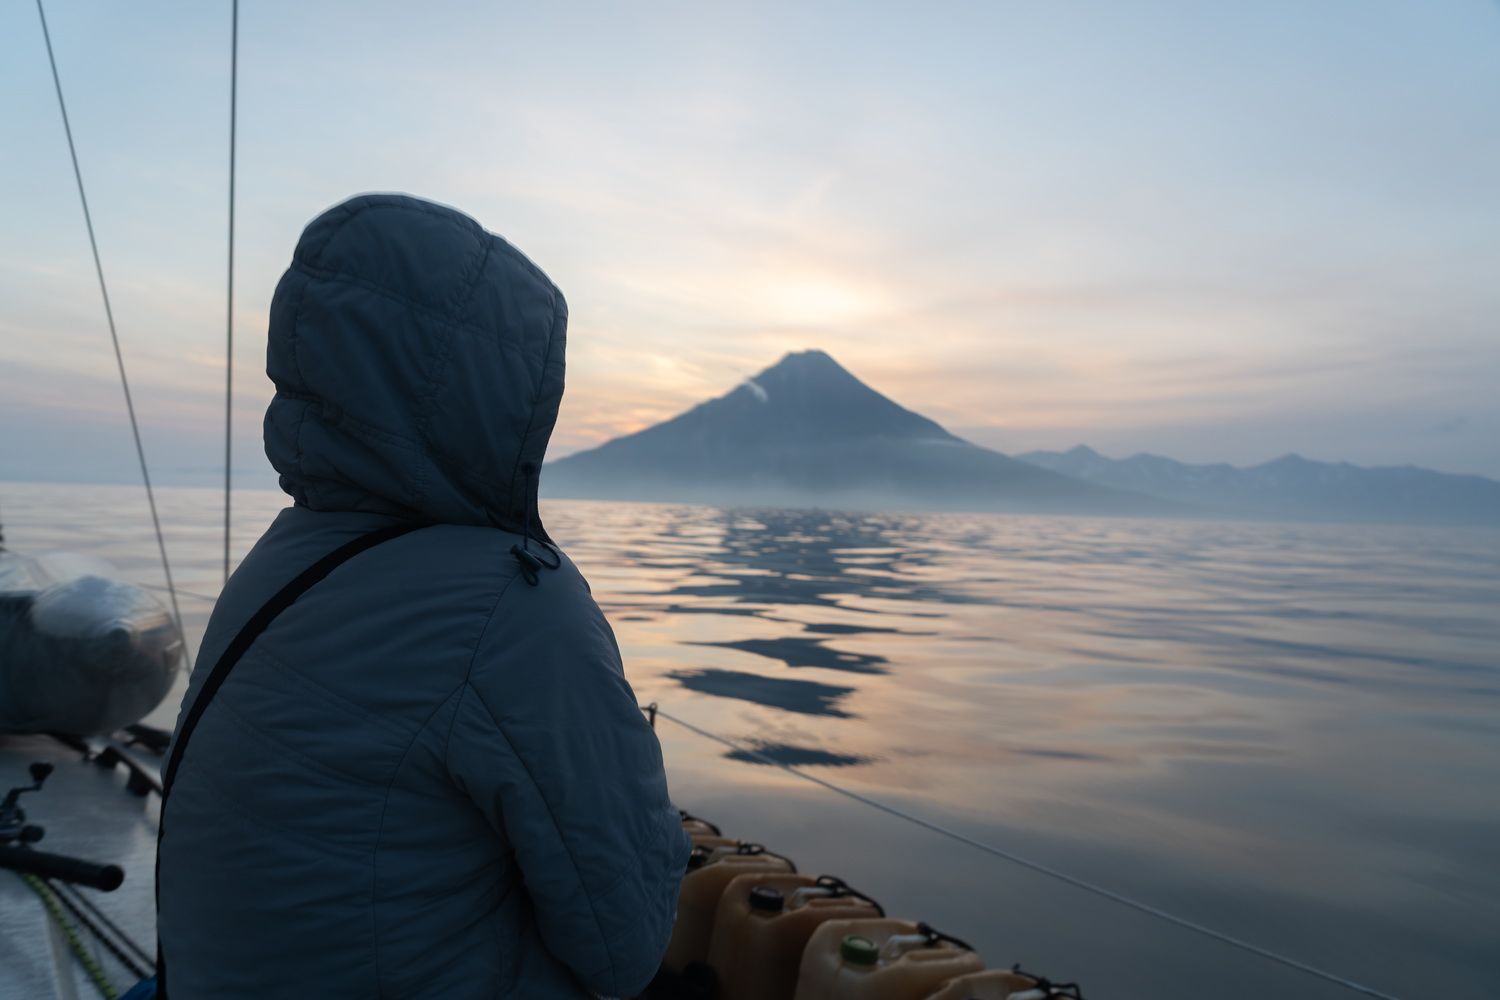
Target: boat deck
(87, 812)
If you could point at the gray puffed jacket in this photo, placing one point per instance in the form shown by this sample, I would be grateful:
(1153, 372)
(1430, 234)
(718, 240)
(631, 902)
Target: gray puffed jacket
(429, 776)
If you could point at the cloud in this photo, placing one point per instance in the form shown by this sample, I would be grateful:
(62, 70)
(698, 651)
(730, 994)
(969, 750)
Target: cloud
(1013, 231)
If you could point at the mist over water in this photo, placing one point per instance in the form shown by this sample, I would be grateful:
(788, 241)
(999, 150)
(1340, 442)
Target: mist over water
(1289, 732)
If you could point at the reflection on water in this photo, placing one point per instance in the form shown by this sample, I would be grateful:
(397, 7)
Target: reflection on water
(802, 697)
(799, 652)
(1288, 731)
(760, 752)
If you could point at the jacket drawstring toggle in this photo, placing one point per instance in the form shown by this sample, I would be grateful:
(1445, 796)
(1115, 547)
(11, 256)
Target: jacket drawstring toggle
(529, 562)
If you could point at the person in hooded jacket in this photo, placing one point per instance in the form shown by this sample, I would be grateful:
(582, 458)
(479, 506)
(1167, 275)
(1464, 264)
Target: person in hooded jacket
(428, 776)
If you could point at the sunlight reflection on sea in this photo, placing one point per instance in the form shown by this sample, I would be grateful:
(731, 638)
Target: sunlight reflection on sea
(1287, 731)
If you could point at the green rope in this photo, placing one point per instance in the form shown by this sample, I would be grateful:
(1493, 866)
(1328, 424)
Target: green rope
(89, 963)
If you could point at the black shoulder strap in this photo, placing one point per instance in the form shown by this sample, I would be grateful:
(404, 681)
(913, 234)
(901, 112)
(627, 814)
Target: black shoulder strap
(283, 599)
(257, 624)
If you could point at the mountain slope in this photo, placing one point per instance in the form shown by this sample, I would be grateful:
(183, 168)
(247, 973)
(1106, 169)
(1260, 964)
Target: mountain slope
(806, 431)
(1291, 486)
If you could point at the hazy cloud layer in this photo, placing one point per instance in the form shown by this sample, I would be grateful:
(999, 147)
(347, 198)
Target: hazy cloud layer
(1218, 232)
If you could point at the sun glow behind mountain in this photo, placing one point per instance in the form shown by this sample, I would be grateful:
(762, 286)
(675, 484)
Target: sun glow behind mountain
(797, 299)
(994, 213)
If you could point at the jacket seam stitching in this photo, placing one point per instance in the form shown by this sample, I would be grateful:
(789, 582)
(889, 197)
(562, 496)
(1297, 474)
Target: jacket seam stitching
(500, 728)
(257, 819)
(568, 850)
(370, 434)
(313, 272)
(450, 217)
(385, 803)
(363, 429)
(474, 656)
(265, 737)
(440, 360)
(327, 695)
(295, 339)
(536, 393)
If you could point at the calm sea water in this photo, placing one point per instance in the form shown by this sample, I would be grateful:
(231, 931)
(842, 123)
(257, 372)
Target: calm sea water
(1288, 732)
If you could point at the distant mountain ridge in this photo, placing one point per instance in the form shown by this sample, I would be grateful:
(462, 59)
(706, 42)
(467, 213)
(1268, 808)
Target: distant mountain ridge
(807, 432)
(1290, 486)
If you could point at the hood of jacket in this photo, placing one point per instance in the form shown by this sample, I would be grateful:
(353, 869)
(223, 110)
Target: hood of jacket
(418, 365)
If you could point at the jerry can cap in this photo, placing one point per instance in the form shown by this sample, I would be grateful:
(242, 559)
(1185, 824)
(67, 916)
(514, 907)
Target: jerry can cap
(767, 897)
(858, 949)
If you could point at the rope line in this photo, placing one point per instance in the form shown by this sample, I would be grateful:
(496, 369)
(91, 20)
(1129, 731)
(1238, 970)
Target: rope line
(1038, 867)
(234, 78)
(66, 891)
(135, 429)
(181, 593)
(74, 903)
(75, 945)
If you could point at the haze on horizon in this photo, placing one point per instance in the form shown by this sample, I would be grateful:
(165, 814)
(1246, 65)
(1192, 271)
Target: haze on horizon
(1214, 232)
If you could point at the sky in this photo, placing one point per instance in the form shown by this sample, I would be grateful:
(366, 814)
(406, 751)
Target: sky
(1216, 231)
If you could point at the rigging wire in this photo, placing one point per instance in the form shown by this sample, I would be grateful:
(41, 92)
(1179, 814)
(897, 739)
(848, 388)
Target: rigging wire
(210, 598)
(653, 711)
(234, 77)
(125, 950)
(135, 428)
